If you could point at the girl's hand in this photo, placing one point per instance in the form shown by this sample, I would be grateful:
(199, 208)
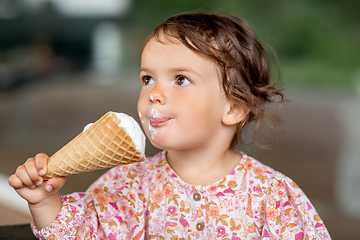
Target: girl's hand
(43, 197)
(29, 184)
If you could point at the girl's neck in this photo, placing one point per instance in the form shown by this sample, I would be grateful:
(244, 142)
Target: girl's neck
(203, 168)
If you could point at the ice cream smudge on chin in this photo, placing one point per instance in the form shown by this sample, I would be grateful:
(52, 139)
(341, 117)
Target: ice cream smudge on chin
(153, 131)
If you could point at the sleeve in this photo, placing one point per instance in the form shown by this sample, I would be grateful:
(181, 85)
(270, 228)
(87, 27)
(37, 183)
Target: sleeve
(76, 218)
(289, 214)
(107, 210)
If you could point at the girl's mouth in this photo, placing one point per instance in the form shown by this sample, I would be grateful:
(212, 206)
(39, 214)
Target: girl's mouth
(157, 119)
(158, 122)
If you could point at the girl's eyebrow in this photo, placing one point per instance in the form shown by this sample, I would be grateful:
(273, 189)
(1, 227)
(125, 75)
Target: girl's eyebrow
(175, 69)
(144, 70)
(186, 69)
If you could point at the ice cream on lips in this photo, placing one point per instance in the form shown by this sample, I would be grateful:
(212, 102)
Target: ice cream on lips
(155, 119)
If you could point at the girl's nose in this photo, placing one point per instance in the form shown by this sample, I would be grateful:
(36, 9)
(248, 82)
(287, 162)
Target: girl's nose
(157, 95)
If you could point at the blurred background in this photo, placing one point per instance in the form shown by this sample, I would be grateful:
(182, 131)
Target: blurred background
(65, 63)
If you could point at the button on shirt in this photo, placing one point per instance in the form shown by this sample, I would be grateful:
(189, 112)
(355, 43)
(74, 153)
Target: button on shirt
(200, 226)
(197, 196)
(148, 199)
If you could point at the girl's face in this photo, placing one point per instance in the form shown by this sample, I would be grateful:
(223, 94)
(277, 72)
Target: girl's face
(181, 103)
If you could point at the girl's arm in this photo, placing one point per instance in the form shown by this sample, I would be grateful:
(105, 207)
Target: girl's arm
(43, 197)
(45, 212)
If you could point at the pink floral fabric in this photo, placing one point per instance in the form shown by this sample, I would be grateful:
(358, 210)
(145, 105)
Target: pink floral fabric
(149, 201)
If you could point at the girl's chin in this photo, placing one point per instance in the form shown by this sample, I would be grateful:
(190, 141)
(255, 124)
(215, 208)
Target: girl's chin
(159, 144)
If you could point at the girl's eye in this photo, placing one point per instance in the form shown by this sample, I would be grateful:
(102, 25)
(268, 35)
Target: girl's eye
(147, 80)
(182, 81)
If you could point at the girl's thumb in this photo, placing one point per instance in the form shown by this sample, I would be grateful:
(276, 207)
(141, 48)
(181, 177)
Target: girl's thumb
(54, 184)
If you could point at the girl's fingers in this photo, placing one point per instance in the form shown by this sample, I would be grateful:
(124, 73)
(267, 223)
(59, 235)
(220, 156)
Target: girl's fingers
(15, 182)
(23, 176)
(55, 184)
(33, 172)
(41, 161)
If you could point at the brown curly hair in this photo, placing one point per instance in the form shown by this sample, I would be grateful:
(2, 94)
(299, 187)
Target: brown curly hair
(244, 68)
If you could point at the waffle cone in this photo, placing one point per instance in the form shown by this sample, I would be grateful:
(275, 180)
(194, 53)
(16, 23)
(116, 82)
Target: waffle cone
(105, 144)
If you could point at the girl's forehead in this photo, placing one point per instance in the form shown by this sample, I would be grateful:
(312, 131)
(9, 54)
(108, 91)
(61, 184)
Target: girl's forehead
(164, 48)
(171, 44)
(163, 40)
(172, 50)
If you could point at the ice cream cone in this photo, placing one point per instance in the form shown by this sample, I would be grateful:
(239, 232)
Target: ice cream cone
(104, 144)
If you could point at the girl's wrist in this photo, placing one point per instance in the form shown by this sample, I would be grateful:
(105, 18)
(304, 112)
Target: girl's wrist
(46, 211)
(46, 202)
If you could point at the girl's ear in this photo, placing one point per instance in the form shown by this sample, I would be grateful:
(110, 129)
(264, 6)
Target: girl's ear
(234, 114)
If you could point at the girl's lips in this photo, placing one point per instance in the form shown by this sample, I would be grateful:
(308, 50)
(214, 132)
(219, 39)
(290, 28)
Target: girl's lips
(158, 122)
(157, 119)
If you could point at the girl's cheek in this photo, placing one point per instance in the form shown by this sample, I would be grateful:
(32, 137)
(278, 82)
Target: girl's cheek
(140, 108)
(140, 116)
(142, 120)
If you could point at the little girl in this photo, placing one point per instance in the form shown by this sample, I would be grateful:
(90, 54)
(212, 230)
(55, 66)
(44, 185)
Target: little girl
(204, 78)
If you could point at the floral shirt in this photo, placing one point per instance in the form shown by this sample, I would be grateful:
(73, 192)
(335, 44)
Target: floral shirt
(148, 200)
